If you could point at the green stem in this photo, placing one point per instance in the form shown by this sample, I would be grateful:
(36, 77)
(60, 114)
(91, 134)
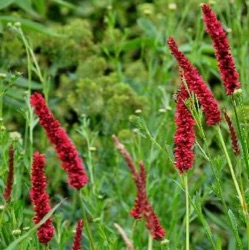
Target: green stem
(91, 240)
(247, 231)
(90, 163)
(241, 135)
(197, 114)
(29, 63)
(133, 229)
(208, 155)
(240, 195)
(231, 170)
(1, 99)
(187, 209)
(150, 243)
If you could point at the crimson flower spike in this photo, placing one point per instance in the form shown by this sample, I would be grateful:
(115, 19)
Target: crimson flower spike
(128, 159)
(78, 236)
(229, 75)
(137, 211)
(139, 207)
(142, 207)
(152, 221)
(9, 184)
(185, 134)
(40, 198)
(235, 143)
(197, 85)
(66, 151)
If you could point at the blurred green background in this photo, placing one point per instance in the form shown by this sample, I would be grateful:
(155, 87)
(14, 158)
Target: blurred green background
(107, 71)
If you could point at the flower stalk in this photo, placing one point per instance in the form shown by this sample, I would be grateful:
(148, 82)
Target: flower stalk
(239, 192)
(10, 179)
(142, 207)
(40, 198)
(185, 177)
(66, 151)
(78, 236)
(197, 85)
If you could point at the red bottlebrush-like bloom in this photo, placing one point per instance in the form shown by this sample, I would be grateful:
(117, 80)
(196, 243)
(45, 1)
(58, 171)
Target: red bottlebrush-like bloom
(152, 223)
(140, 202)
(128, 159)
(64, 147)
(197, 85)
(142, 207)
(143, 204)
(40, 198)
(229, 75)
(78, 236)
(137, 211)
(235, 143)
(9, 184)
(185, 134)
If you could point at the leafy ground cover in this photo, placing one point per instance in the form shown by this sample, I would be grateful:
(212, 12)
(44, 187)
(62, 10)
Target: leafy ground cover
(104, 68)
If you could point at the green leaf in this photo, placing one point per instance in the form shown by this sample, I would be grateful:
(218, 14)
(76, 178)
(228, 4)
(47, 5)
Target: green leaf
(13, 103)
(14, 244)
(139, 123)
(206, 49)
(5, 3)
(235, 228)
(196, 203)
(26, 5)
(147, 27)
(29, 25)
(23, 82)
(41, 7)
(186, 47)
(65, 4)
(15, 94)
(132, 44)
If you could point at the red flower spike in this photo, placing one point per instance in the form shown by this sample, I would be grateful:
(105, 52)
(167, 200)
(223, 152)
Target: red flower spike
(152, 223)
(138, 209)
(64, 147)
(227, 69)
(78, 236)
(197, 85)
(40, 198)
(129, 161)
(235, 143)
(142, 207)
(185, 134)
(9, 184)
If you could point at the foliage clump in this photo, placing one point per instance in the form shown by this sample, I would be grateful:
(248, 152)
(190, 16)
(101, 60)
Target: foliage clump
(12, 51)
(107, 101)
(74, 44)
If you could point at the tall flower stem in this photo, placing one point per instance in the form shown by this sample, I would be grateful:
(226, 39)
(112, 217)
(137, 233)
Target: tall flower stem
(241, 133)
(185, 178)
(10, 179)
(198, 119)
(88, 230)
(1, 98)
(239, 192)
(150, 243)
(40, 198)
(231, 168)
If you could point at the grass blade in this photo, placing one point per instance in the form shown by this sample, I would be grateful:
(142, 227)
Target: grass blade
(235, 228)
(5, 3)
(14, 245)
